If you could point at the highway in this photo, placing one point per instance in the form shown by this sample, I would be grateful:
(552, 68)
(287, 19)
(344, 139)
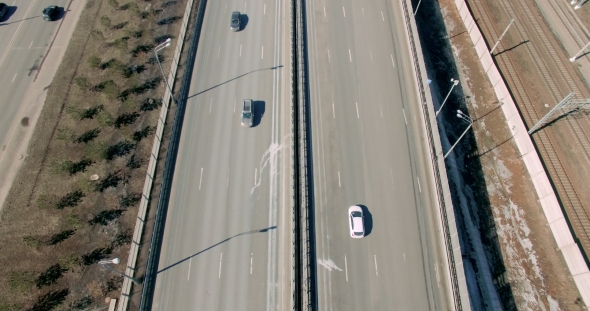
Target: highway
(369, 149)
(228, 233)
(31, 50)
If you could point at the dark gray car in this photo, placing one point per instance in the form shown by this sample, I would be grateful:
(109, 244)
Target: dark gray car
(235, 21)
(247, 113)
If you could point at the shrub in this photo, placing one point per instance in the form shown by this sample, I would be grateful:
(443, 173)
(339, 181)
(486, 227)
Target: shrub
(111, 89)
(143, 133)
(105, 21)
(45, 201)
(70, 200)
(74, 221)
(134, 33)
(104, 118)
(82, 82)
(21, 281)
(91, 112)
(150, 104)
(94, 61)
(118, 150)
(112, 180)
(33, 241)
(130, 200)
(114, 4)
(133, 162)
(87, 136)
(125, 119)
(50, 300)
(95, 151)
(50, 276)
(82, 303)
(121, 44)
(104, 217)
(80, 166)
(97, 34)
(65, 133)
(60, 237)
(123, 238)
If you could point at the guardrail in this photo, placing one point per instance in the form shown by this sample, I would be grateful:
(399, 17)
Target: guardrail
(296, 249)
(149, 179)
(458, 285)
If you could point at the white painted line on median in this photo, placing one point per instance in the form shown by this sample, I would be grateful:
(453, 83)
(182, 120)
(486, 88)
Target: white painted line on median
(262, 53)
(210, 105)
(381, 110)
(240, 50)
(382, 16)
(376, 270)
(30, 45)
(405, 120)
(255, 173)
(333, 111)
(328, 56)
(14, 76)
(371, 52)
(419, 188)
(346, 268)
(251, 256)
(392, 60)
(201, 179)
(344, 12)
(324, 11)
(339, 184)
(349, 55)
(189, 268)
(357, 111)
(220, 259)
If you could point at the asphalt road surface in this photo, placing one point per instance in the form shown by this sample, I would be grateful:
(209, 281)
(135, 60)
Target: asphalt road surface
(369, 149)
(227, 240)
(31, 50)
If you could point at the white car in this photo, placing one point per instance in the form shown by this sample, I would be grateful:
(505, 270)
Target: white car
(356, 221)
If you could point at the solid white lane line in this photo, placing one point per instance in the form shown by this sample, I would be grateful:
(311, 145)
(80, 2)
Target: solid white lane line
(371, 52)
(30, 45)
(343, 12)
(264, 9)
(381, 110)
(262, 53)
(210, 105)
(201, 179)
(382, 16)
(333, 111)
(14, 76)
(240, 50)
(255, 173)
(346, 268)
(405, 120)
(419, 188)
(189, 268)
(376, 270)
(15, 33)
(357, 111)
(349, 55)
(328, 56)
(339, 184)
(324, 11)
(392, 62)
(220, 259)
(218, 51)
(251, 256)
(235, 101)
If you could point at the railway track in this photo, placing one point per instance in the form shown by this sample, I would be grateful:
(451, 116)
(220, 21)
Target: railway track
(546, 60)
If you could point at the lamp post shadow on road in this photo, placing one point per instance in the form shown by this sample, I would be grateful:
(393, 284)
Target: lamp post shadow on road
(116, 261)
(460, 115)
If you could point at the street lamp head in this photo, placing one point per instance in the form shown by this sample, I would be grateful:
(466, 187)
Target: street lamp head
(168, 40)
(167, 44)
(116, 261)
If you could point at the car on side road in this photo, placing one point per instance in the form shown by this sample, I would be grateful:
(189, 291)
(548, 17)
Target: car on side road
(50, 12)
(247, 113)
(356, 222)
(235, 21)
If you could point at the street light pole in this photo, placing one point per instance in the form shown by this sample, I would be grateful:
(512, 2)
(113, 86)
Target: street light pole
(417, 7)
(455, 82)
(105, 263)
(164, 44)
(498, 42)
(460, 115)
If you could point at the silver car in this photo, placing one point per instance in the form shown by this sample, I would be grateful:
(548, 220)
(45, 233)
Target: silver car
(235, 21)
(247, 113)
(356, 221)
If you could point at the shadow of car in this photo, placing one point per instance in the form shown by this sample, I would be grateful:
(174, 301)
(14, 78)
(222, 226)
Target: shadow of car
(4, 10)
(243, 21)
(259, 107)
(368, 219)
